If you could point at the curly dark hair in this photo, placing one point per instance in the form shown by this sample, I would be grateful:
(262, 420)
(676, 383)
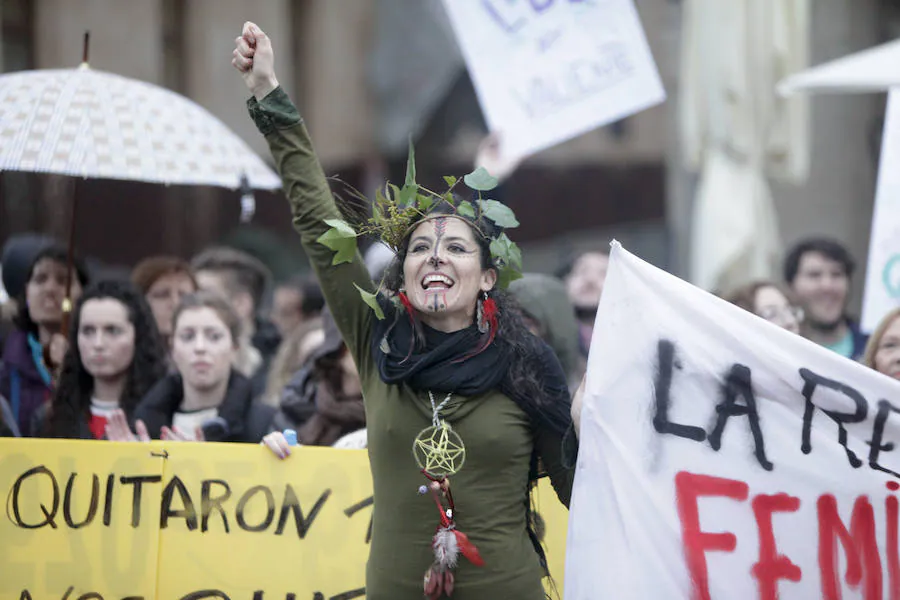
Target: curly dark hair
(512, 332)
(72, 400)
(55, 253)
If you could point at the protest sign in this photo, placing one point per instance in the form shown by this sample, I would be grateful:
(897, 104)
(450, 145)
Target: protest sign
(79, 515)
(546, 71)
(882, 292)
(724, 457)
(91, 520)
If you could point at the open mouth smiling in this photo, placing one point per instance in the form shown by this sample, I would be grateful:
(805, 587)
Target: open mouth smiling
(437, 281)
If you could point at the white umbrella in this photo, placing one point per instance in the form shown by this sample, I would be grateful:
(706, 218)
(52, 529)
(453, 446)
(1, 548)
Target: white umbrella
(92, 124)
(873, 70)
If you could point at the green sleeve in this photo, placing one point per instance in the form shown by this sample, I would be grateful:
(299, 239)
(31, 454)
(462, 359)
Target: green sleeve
(312, 203)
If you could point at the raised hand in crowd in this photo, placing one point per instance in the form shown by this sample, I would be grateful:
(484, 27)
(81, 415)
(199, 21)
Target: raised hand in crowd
(254, 58)
(117, 429)
(490, 155)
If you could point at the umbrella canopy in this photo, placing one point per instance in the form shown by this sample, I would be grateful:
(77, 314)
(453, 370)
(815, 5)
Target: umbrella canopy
(93, 124)
(873, 70)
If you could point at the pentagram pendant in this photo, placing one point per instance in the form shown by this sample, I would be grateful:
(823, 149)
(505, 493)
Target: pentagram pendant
(439, 450)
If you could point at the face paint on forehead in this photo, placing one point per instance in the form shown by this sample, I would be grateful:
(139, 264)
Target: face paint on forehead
(440, 227)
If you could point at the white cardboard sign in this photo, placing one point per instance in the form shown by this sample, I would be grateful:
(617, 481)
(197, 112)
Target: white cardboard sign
(882, 292)
(546, 71)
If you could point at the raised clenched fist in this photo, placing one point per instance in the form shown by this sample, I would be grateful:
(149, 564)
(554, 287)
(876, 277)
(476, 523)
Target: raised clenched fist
(254, 58)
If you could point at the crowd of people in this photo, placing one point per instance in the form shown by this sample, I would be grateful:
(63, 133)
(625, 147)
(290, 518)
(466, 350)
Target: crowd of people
(212, 350)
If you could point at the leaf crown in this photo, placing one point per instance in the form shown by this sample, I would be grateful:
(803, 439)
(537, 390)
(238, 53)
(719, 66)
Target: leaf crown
(397, 210)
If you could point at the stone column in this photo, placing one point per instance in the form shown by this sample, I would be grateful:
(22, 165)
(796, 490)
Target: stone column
(334, 47)
(125, 36)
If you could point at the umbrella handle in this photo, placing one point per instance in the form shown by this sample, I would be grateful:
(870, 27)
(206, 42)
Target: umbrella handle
(70, 264)
(87, 44)
(70, 274)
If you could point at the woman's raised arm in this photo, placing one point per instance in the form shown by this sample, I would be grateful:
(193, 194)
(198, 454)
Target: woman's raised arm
(310, 197)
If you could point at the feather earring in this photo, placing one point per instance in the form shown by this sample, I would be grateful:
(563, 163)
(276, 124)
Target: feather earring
(487, 317)
(487, 320)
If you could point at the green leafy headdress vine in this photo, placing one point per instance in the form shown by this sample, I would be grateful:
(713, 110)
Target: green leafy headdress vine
(397, 210)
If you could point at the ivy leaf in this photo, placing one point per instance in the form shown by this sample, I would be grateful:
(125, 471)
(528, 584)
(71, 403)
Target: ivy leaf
(507, 276)
(481, 180)
(450, 179)
(507, 251)
(465, 209)
(341, 238)
(508, 260)
(372, 300)
(411, 165)
(407, 195)
(424, 202)
(499, 213)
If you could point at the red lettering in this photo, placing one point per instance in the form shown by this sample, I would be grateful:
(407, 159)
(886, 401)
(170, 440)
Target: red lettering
(860, 548)
(688, 488)
(771, 565)
(893, 560)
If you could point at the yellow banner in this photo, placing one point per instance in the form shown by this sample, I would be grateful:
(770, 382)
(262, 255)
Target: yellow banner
(90, 520)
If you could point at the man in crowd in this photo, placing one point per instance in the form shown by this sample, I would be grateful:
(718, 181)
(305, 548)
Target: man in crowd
(294, 302)
(242, 280)
(819, 271)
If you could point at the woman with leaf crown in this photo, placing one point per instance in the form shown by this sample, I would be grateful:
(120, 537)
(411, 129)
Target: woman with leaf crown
(455, 386)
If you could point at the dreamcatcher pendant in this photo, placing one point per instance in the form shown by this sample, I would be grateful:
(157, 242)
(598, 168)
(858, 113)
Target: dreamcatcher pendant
(440, 453)
(439, 450)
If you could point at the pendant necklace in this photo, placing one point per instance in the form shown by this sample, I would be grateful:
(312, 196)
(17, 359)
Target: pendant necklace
(440, 452)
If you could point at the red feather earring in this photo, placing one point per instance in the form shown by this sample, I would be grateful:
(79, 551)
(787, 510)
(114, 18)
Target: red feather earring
(487, 315)
(488, 323)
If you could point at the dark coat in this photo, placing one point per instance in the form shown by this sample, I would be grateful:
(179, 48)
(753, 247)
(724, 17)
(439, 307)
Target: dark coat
(22, 382)
(239, 412)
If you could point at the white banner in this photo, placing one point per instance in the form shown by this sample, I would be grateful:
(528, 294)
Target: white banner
(546, 71)
(882, 291)
(723, 457)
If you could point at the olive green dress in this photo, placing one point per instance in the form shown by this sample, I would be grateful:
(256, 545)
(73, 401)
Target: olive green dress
(490, 491)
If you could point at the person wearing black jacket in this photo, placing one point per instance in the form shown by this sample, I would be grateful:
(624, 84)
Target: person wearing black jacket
(207, 399)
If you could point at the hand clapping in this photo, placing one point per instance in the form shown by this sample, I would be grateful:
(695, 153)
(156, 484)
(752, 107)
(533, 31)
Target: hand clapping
(117, 429)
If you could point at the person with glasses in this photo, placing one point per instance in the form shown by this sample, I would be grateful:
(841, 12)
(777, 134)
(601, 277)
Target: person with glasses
(772, 302)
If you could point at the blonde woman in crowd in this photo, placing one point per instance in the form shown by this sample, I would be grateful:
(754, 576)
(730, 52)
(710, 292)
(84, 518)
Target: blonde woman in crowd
(883, 350)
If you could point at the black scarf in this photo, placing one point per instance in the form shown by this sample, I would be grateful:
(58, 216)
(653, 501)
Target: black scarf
(444, 364)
